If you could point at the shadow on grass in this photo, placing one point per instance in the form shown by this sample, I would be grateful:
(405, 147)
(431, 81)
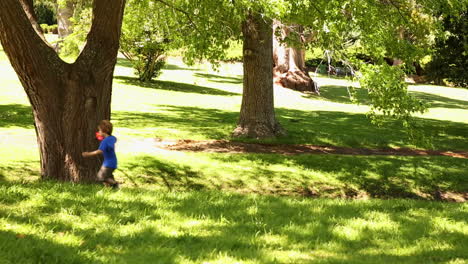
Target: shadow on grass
(34, 249)
(174, 67)
(148, 170)
(304, 127)
(124, 63)
(138, 226)
(320, 229)
(212, 123)
(353, 176)
(439, 101)
(22, 171)
(174, 86)
(219, 78)
(355, 130)
(305, 175)
(16, 115)
(340, 94)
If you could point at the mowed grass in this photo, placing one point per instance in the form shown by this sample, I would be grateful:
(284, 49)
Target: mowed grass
(65, 223)
(178, 207)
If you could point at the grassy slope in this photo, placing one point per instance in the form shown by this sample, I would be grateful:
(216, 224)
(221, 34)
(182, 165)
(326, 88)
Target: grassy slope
(61, 223)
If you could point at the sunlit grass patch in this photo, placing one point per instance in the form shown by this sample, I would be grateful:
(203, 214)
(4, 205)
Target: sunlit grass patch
(94, 225)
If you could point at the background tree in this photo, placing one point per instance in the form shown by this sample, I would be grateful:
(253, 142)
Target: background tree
(205, 29)
(68, 100)
(450, 58)
(65, 12)
(289, 59)
(144, 39)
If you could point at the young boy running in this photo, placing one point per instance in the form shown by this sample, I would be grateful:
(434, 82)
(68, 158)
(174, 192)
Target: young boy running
(106, 148)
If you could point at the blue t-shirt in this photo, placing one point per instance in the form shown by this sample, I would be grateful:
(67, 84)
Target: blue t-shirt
(107, 147)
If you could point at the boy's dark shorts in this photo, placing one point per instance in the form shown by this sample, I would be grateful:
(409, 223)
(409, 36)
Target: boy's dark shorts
(105, 173)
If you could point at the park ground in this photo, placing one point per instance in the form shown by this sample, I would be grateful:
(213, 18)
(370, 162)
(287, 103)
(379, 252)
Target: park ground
(179, 206)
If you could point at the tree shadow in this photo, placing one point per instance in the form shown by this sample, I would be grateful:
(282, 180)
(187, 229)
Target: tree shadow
(174, 67)
(354, 176)
(319, 230)
(22, 171)
(21, 248)
(219, 78)
(212, 123)
(340, 94)
(124, 63)
(303, 127)
(440, 101)
(16, 115)
(174, 86)
(129, 247)
(356, 130)
(423, 178)
(173, 176)
(141, 226)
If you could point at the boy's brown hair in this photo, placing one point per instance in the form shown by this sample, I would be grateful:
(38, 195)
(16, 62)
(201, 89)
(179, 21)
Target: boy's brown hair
(105, 126)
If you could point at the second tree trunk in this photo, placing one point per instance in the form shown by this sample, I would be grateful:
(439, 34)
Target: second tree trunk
(289, 70)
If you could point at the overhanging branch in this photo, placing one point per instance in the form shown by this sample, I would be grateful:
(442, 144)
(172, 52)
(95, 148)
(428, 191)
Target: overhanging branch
(181, 11)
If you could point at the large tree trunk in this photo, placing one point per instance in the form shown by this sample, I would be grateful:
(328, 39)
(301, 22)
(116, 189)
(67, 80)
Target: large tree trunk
(68, 100)
(289, 62)
(257, 115)
(64, 13)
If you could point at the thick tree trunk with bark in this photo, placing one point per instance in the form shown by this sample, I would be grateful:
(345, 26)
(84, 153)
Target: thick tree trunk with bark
(289, 62)
(64, 13)
(257, 115)
(68, 100)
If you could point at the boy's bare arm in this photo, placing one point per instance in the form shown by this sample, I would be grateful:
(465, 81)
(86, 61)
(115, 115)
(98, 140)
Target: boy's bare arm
(93, 153)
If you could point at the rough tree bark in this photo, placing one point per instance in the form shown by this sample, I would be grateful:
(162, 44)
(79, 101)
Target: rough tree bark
(68, 100)
(257, 115)
(64, 13)
(289, 62)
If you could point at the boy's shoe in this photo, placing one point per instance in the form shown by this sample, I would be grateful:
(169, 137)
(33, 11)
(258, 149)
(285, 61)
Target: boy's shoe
(115, 186)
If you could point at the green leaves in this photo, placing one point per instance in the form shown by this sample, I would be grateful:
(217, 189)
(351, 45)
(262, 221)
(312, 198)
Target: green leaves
(389, 96)
(144, 40)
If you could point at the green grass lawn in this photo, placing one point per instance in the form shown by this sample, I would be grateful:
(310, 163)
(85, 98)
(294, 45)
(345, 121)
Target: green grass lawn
(65, 223)
(178, 207)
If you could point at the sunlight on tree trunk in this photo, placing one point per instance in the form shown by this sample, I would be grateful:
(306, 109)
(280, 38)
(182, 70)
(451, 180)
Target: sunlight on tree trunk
(289, 61)
(64, 13)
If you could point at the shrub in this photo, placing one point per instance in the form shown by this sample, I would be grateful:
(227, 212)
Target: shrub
(45, 28)
(147, 57)
(53, 29)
